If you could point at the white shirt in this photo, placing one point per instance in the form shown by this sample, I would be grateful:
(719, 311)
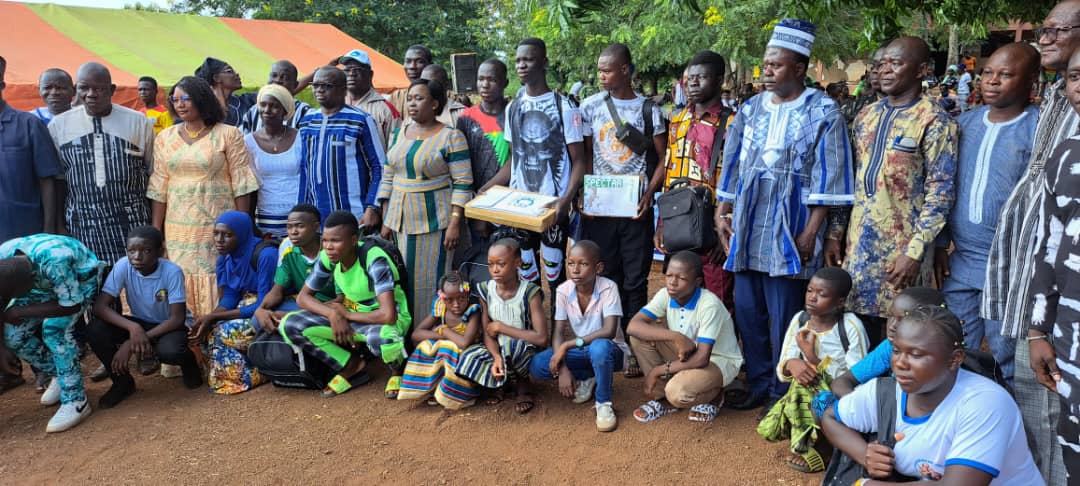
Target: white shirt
(977, 425)
(827, 343)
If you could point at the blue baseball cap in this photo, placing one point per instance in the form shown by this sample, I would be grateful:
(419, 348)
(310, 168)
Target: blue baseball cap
(356, 55)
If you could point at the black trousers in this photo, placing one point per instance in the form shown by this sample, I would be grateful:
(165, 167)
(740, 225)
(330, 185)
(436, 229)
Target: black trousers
(626, 248)
(171, 348)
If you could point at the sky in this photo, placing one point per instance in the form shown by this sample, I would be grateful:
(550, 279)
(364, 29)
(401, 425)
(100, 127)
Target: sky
(100, 3)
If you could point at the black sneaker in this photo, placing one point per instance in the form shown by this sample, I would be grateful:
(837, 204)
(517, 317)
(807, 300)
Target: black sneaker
(192, 375)
(751, 401)
(120, 389)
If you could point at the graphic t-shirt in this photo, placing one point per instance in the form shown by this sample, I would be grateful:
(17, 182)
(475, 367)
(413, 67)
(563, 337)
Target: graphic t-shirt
(294, 269)
(488, 146)
(538, 130)
(977, 425)
(610, 156)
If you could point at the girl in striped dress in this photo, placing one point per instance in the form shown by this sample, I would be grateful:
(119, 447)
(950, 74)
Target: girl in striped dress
(425, 184)
(515, 326)
(453, 325)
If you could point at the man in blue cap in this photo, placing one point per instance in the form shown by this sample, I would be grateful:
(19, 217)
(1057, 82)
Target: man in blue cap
(787, 160)
(361, 93)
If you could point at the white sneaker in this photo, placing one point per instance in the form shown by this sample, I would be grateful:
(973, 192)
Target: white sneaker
(68, 416)
(584, 390)
(52, 393)
(605, 417)
(170, 371)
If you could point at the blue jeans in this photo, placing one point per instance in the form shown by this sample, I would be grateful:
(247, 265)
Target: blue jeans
(764, 307)
(600, 358)
(964, 301)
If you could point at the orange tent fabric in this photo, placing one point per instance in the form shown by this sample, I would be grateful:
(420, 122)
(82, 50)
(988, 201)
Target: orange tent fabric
(316, 44)
(134, 43)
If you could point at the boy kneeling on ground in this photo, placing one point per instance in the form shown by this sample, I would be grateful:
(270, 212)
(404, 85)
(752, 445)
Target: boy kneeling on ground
(154, 290)
(696, 354)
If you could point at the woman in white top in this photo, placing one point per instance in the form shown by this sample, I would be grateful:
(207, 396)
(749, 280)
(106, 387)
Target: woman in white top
(276, 160)
(953, 427)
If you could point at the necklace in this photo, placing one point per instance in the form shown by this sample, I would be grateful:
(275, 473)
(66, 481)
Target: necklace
(276, 140)
(195, 135)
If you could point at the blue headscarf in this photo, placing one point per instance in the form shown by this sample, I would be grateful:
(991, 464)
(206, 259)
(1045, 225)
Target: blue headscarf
(234, 269)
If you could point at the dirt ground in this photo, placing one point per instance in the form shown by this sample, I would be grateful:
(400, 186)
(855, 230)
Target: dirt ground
(166, 434)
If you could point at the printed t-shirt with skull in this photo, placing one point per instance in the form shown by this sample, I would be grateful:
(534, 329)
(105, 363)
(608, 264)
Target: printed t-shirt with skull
(540, 161)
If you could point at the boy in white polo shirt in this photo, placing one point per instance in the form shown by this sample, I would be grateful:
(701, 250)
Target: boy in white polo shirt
(591, 307)
(697, 353)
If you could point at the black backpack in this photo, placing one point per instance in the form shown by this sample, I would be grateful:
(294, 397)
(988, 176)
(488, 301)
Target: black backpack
(983, 363)
(804, 317)
(262, 245)
(285, 364)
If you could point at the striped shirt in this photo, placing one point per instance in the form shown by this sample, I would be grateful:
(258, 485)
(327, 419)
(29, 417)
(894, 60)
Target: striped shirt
(1011, 263)
(252, 122)
(422, 179)
(107, 162)
(343, 161)
(781, 159)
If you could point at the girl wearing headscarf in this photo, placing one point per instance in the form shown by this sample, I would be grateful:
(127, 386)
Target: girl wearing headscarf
(245, 273)
(276, 158)
(225, 81)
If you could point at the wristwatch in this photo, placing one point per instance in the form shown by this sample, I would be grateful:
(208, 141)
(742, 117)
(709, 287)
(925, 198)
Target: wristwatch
(579, 343)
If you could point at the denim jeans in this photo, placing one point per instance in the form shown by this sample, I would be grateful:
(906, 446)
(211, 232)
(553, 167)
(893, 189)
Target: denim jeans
(964, 301)
(600, 358)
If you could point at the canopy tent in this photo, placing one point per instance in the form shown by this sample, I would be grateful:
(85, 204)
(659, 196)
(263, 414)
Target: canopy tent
(134, 43)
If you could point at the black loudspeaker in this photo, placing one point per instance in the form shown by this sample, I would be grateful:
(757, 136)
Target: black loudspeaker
(463, 69)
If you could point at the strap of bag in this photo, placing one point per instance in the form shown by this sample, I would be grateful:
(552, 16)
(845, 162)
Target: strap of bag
(804, 317)
(886, 402)
(611, 110)
(718, 141)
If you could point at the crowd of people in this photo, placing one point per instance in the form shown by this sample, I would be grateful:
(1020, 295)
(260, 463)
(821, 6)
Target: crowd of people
(868, 248)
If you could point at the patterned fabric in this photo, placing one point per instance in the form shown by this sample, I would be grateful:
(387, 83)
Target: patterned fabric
(852, 109)
(431, 368)
(781, 159)
(68, 273)
(992, 159)
(387, 118)
(252, 122)
(343, 161)
(27, 154)
(905, 166)
(107, 162)
(422, 179)
(314, 335)
(42, 113)
(294, 269)
(159, 116)
(792, 416)
(690, 144)
(476, 362)
(539, 128)
(230, 372)
(488, 148)
(1011, 263)
(197, 182)
(427, 260)
(279, 177)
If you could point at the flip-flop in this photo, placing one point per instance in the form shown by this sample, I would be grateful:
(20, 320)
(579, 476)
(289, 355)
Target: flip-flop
(393, 386)
(705, 412)
(653, 410)
(813, 460)
(340, 384)
(525, 405)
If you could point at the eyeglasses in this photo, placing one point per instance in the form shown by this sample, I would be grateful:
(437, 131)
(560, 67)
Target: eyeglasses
(177, 99)
(1051, 33)
(326, 86)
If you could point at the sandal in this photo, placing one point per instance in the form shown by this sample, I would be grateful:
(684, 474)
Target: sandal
(633, 369)
(495, 398)
(811, 462)
(393, 386)
(652, 411)
(339, 384)
(525, 405)
(705, 412)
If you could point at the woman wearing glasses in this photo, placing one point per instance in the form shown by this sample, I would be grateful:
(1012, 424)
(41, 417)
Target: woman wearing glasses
(201, 169)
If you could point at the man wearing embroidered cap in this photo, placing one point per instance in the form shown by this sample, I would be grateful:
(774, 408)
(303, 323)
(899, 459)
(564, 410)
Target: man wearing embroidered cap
(786, 162)
(361, 94)
(905, 148)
